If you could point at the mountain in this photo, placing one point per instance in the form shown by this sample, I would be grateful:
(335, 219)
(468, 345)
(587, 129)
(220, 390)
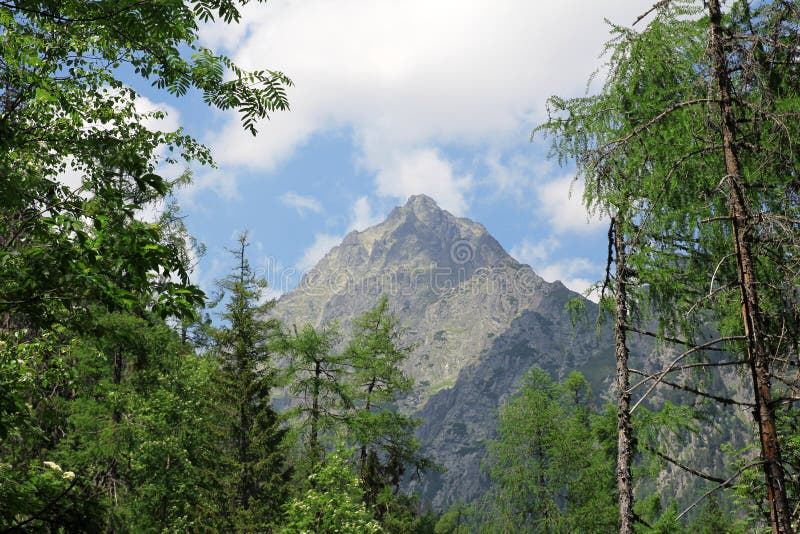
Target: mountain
(478, 320)
(452, 284)
(477, 317)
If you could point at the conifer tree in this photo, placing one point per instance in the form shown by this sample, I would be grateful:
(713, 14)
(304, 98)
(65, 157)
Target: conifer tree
(385, 438)
(712, 192)
(317, 379)
(548, 468)
(256, 474)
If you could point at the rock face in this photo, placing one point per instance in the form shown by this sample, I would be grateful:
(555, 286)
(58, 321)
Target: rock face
(478, 320)
(477, 317)
(450, 282)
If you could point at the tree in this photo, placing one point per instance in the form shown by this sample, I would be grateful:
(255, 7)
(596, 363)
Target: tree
(332, 503)
(317, 380)
(549, 471)
(715, 142)
(385, 437)
(63, 109)
(255, 486)
(72, 257)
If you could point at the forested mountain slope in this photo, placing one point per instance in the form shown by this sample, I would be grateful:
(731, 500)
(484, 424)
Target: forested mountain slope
(478, 320)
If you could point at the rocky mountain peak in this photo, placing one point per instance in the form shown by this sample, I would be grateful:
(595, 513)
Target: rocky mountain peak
(465, 303)
(422, 203)
(420, 234)
(450, 281)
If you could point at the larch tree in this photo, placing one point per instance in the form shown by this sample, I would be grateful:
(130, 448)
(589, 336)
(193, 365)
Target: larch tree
(384, 437)
(317, 380)
(716, 182)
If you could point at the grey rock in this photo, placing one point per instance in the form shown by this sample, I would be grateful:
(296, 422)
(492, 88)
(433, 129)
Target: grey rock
(478, 320)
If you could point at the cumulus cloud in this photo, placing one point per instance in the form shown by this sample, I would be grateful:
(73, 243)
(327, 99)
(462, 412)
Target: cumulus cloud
(321, 245)
(169, 123)
(401, 76)
(223, 184)
(301, 203)
(561, 202)
(578, 274)
(424, 171)
(534, 253)
(362, 216)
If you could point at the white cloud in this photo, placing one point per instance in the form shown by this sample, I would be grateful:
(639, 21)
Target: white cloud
(404, 75)
(169, 123)
(224, 184)
(578, 274)
(301, 203)
(424, 171)
(362, 216)
(321, 245)
(534, 253)
(561, 202)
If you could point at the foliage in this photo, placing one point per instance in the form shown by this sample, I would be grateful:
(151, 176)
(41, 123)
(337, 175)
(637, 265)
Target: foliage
(691, 146)
(549, 470)
(317, 381)
(332, 503)
(90, 375)
(254, 472)
(385, 437)
(456, 519)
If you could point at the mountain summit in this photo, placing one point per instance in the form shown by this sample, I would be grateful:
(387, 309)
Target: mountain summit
(477, 317)
(447, 278)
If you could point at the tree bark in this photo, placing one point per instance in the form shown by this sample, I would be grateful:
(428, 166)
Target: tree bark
(367, 408)
(313, 442)
(757, 351)
(624, 429)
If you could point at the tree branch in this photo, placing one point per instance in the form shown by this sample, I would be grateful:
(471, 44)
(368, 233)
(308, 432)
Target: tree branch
(686, 468)
(717, 487)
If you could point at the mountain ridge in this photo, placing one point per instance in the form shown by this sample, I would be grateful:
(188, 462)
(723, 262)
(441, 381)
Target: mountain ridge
(468, 307)
(478, 319)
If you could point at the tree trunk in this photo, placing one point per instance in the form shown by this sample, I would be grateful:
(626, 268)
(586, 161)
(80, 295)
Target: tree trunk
(313, 442)
(757, 351)
(367, 408)
(624, 429)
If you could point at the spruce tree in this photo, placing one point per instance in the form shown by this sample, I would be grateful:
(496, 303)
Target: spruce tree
(251, 431)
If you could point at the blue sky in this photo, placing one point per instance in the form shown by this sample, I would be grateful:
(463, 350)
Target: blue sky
(393, 99)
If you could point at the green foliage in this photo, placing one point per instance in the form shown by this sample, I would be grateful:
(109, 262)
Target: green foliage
(45, 495)
(254, 473)
(65, 112)
(456, 519)
(332, 503)
(385, 437)
(691, 147)
(317, 381)
(136, 424)
(89, 372)
(548, 467)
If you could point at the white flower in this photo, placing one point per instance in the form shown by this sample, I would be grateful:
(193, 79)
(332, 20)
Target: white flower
(52, 465)
(68, 475)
